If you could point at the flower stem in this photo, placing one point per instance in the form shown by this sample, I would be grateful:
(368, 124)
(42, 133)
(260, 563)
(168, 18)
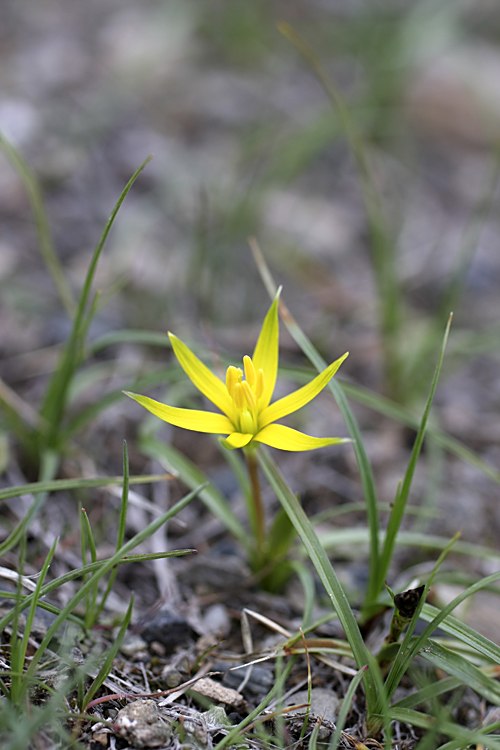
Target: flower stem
(260, 528)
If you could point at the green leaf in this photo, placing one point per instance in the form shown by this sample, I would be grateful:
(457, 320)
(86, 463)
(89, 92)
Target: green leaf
(364, 467)
(403, 492)
(192, 476)
(325, 571)
(54, 403)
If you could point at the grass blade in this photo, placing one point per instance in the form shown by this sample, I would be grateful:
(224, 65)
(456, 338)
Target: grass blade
(324, 569)
(103, 570)
(364, 467)
(108, 661)
(192, 477)
(457, 666)
(42, 225)
(54, 403)
(402, 496)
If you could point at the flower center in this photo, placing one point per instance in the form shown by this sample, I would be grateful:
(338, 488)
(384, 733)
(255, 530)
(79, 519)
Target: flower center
(245, 394)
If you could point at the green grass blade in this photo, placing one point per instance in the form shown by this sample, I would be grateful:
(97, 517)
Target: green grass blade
(457, 666)
(463, 736)
(383, 251)
(54, 402)
(358, 537)
(307, 581)
(80, 573)
(128, 336)
(192, 476)
(120, 537)
(428, 693)
(324, 569)
(388, 408)
(88, 539)
(364, 467)
(108, 661)
(42, 225)
(35, 598)
(85, 416)
(402, 496)
(232, 736)
(103, 570)
(346, 707)
(56, 485)
(404, 659)
(464, 633)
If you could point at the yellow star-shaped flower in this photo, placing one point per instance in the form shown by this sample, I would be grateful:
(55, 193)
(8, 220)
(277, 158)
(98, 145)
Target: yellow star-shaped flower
(245, 398)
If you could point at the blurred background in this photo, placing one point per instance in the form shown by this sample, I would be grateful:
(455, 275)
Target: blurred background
(372, 193)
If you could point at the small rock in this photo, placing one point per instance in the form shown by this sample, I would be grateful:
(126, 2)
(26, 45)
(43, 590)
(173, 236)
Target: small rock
(168, 628)
(324, 706)
(142, 725)
(217, 692)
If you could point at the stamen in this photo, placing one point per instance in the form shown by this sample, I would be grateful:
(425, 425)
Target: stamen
(231, 379)
(259, 388)
(249, 370)
(238, 397)
(248, 393)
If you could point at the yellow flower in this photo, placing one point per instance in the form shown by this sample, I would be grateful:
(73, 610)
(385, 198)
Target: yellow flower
(245, 398)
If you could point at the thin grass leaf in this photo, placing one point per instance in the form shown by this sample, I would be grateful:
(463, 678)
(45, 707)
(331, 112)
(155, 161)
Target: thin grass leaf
(35, 599)
(312, 744)
(382, 245)
(391, 409)
(346, 707)
(108, 661)
(307, 581)
(42, 225)
(464, 737)
(240, 471)
(85, 416)
(192, 476)
(16, 652)
(324, 569)
(54, 403)
(409, 648)
(355, 538)
(103, 570)
(457, 666)
(364, 467)
(402, 496)
(79, 573)
(55, 485)
(232, 736)
(88, 539)
(128, 336)
(428, 693)
(464, 633)
(404, 658)
(122, 522)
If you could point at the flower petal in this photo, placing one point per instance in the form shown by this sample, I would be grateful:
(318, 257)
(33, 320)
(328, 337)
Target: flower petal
(237, 440)
(265, 356)
(300, 397)
(189, 419)
(279, 436)
(203, 378)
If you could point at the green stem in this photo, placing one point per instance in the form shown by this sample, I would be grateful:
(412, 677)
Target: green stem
(260, 525)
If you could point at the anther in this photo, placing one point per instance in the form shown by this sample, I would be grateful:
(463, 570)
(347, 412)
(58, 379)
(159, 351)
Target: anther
(238, 397)
(259, 388)
(249, 370)
(230, 379)
(248, 393)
